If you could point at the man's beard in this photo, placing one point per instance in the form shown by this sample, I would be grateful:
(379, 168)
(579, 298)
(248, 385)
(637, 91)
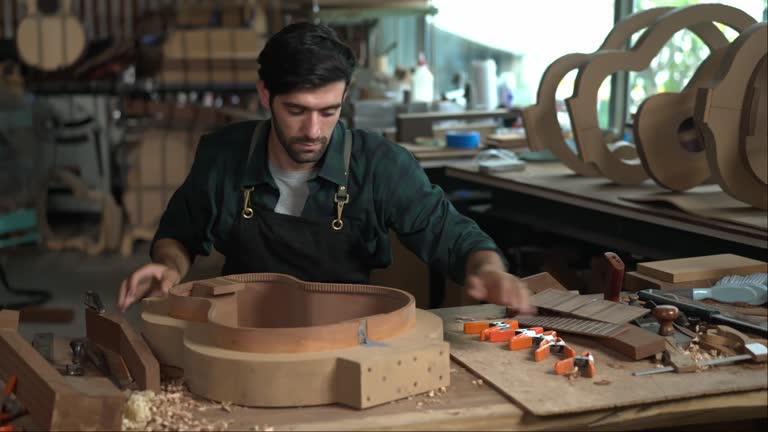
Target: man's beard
(293, 146)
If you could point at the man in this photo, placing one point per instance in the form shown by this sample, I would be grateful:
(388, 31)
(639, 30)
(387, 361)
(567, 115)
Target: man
(304, 196)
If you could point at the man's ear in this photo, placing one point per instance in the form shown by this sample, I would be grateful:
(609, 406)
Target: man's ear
(263, 94)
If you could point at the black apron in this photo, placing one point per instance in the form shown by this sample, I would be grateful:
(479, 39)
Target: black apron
(262, 241)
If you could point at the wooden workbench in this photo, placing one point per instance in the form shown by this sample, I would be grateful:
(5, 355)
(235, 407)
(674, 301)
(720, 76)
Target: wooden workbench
(550, 196)
(469, 405)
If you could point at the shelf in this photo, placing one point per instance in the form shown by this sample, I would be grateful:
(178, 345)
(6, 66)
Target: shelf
(114, 88)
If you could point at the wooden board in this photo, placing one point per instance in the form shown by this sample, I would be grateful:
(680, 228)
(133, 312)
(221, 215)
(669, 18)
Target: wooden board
(588, 307)
(535, 387)
(115, 334)
(698, 268)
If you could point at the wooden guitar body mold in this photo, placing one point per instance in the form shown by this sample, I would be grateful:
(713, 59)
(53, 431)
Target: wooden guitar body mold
(541, 124)
(50, 42)
(731, 115)
(266, 339)
(582, 108)
(658, 139)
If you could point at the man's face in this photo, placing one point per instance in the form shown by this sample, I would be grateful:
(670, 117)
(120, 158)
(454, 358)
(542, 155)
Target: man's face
(303, 121)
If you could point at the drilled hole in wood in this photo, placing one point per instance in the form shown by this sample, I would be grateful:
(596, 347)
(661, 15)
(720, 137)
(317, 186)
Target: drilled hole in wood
(440, 377)
(399, 363)
(415, 358)
(441, 352)
(415, 383)
(368, 398)
(384, 378)
(399, 390)
(369, 369)
(429, 369)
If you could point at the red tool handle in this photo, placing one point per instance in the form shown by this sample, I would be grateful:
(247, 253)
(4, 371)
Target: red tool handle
(613, 278)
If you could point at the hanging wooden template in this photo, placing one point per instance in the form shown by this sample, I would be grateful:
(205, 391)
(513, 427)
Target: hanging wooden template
(541, 124)
(731, 117)
(669, 147)
(260, 339)
(50, 37)
(582, 108)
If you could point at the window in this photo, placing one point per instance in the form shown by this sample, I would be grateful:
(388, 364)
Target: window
(523, 37)
(676, 62)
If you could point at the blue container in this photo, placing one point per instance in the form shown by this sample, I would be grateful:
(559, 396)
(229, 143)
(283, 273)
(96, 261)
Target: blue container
(462, 139)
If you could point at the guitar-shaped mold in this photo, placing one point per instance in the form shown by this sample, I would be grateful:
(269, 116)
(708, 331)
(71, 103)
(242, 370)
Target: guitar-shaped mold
(730, 115)
(266, 339)
(582, 108)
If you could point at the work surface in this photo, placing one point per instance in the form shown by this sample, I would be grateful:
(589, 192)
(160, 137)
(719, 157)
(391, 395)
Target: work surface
(468, 404)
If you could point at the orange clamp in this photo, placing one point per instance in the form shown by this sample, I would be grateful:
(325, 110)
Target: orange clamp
(584, 362)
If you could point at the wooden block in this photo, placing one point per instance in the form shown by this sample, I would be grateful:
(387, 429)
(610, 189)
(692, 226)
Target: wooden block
(635, 342)
(364, 382)
(9, 319)
(53, 401)
(215, 287)
(698, 268)
(635, 281)
(114, 333)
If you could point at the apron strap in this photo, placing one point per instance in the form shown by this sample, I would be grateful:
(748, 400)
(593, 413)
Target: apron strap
(342, 195)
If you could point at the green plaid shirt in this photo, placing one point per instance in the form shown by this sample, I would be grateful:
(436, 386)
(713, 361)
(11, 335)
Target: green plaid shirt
(388, 189)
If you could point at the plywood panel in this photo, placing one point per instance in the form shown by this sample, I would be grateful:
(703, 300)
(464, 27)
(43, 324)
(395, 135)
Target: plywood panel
(699, 268)
(535, 387)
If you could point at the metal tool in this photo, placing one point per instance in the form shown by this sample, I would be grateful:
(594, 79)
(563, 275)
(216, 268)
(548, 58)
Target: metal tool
(93, 301)
(711, 362)
(752, 351)
(78, 352)
(694, 308)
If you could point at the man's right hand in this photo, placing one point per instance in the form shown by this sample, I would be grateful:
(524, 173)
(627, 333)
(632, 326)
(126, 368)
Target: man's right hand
(150, 280)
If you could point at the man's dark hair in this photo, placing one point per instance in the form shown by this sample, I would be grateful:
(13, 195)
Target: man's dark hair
(304, 56)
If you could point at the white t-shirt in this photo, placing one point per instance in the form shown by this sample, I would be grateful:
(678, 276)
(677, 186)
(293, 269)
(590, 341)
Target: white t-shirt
(293, 187)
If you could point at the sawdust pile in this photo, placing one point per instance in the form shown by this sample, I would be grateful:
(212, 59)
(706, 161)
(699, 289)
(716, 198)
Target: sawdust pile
(174, 408)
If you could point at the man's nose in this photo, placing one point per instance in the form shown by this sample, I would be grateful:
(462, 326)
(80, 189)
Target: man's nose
(311, 125)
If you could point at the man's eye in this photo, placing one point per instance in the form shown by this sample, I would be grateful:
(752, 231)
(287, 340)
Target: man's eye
(295, 112)
(330, 113)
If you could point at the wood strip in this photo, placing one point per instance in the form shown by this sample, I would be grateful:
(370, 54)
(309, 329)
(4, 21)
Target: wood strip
(55, 402)
(587, 306)
(114, 333)
(570, 325)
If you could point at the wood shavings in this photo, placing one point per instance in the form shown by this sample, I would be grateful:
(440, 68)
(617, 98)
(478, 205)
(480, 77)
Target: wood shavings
(226, 406)
(602, 382)
(173, 408)
(477, 382)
